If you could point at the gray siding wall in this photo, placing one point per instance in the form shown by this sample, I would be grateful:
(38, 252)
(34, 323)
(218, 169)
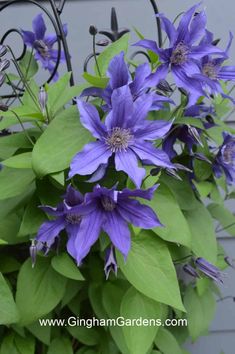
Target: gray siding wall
(138, 13)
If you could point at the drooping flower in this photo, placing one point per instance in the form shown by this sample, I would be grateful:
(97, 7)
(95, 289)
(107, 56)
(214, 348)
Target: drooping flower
(113, 211)
(209, 269)
(68, 217)
(225, 159)
(43, 44)
(110, 262)
(126, 135)
(119, 75)
(183, 55)
(213, 70)
(103, 209)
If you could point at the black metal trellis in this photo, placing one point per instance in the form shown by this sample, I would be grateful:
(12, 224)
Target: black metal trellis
(54, 16)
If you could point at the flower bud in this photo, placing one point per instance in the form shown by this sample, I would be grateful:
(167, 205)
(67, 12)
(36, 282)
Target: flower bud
(93, 30)
(33, 253)
(43, 99)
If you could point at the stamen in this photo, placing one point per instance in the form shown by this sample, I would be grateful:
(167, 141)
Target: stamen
(42, 47)
(119, 139)
(73, 218)
(108, 203)
(228, 153)
(210, 71)
(179, 54)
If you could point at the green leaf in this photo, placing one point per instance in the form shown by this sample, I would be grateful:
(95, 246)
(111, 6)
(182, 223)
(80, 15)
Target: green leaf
(136, 305)
(9, 229)
(19, 161)
(150, 270)
(8, 309)
(11, 143)
(96, 80)
(43, 333)
(113, 49)
(8, 264)
(200, 311)
(202, 170)
(25, 345)
(39, 290)
(175, 227)
(202, 229)
(195, 122)
(60, 345)
(84, 335)
(182, 190)
(8, 345)
(64, 265)
(96, 297)
(26, 114)
(112, 298)
(28, 65)
(14, 181)
(32, 219)
(61, 93)
(166, 342)
(204, 188)
(224, 216)
(56, 147)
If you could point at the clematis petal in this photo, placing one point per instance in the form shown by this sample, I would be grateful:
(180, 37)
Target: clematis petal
(149, 44)
(197, 27)
(72, 231)
(49, 230)
(227, 73)
(141, 193)
(122, 108)
(142, 106)
(90, 158)
(118, 72)
(117, 229)
(152, 130)
(28, 37)
(88, 234)
(92, 91)
(200, 51)
(169, 28)
(160, 74)
(138, 84)
(39, 27)
(183, 27)
(146, 151)
(90, 119)
(73, 196)
(137, 214)
(127, 161)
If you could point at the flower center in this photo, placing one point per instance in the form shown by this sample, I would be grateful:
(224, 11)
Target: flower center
(107, 203)
(119, 139)
(42, 48)
(228, 153)
(210, 71)
(73, 219)
(179, 54)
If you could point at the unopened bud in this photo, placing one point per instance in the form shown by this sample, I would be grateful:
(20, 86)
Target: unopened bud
(43, 99)
(3, 50)
(33, 253)
(93, 30)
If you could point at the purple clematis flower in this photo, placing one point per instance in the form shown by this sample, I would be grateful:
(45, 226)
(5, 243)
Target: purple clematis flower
(225, 159)
(103, 209)
(68, 217)
(213, 70)
(183, 56)
(126, 135)
(119, 75)
(43, 44)
(209, 269)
